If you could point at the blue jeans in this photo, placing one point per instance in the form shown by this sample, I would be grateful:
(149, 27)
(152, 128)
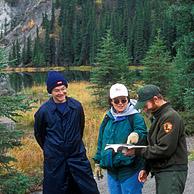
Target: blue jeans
(128, 186)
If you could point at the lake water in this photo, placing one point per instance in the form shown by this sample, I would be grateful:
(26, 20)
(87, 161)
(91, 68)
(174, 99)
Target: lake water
(19, 81)
(22, 80)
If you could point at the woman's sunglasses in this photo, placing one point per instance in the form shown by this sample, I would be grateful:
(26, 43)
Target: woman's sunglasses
(118, 100)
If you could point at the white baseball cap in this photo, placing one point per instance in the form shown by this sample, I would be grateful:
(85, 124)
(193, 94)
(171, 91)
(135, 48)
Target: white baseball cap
(118, 90)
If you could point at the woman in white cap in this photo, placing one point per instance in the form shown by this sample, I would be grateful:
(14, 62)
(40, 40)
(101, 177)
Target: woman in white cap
(121, 124)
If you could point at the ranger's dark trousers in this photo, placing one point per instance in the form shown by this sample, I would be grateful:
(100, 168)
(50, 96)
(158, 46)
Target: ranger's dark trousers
(170, 182)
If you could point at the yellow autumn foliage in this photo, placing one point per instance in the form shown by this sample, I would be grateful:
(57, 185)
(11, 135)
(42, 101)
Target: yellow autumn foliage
(29, 157)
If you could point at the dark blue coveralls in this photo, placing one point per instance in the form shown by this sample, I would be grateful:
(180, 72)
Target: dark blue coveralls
(66, 167)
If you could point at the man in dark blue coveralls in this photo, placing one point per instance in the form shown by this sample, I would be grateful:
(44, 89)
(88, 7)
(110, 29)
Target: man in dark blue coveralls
(58, 129)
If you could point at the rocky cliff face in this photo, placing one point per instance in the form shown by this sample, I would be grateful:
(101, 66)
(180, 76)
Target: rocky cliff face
(5, 12)
(5, 86)
(25, 17)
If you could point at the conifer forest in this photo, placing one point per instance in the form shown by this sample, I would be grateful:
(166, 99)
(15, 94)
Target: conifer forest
(72, 33)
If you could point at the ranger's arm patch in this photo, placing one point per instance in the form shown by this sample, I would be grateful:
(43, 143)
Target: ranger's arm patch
(167, 127)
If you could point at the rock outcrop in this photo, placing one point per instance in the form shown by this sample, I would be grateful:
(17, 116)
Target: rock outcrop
(25, 17)
(5, 87)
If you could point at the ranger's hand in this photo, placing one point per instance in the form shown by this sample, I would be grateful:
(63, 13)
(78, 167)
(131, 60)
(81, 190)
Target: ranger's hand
(132, 138)
(98, 172)
(130, 152)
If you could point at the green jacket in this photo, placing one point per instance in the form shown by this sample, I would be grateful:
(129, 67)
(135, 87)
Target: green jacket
(114, 132)
(167, 148)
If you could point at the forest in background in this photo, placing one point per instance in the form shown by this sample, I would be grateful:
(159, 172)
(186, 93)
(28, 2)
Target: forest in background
(72, 34)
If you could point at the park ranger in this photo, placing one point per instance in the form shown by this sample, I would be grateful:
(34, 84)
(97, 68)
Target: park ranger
(166, 153)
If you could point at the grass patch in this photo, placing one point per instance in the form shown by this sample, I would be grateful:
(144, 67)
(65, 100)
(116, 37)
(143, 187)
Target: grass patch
(191, 155)
(45, 69)
(57, 68)
(133, 67)
(29, 157)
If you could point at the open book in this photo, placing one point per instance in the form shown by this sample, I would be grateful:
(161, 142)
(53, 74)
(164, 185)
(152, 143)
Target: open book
(121, 147)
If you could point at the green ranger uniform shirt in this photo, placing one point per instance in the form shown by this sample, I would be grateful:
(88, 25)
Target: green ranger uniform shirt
(167, 149)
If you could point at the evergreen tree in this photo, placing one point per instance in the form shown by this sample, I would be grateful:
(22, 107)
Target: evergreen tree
(182, 85)
(1, 31)
(61, 17)
(24, 57)
(66, 20)
(38, 57)
(111, 63)
(57, 3)
(147, 24)
(10, 138)
(139, 41)
(68, 49)
(47, 46)
(5, 26)
(84, 55)
(18, 53)
(45, 21)
(13, 54)
(181, 90)
(3, 58)
(157, 65)
(182, 17)
(130, 29)
(61, 47)
(52, 51)
(52, 23)
(28, 51)
(76, 42)
(92, 35)
(188, 51)
(157, 14)
(169, 34)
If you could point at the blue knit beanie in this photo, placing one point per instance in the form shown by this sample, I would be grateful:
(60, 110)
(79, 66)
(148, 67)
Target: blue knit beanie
(55, 79)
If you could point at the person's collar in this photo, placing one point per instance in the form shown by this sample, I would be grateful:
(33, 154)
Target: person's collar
(161, 109)
(128, 111)
(51, 105)
(71, 102)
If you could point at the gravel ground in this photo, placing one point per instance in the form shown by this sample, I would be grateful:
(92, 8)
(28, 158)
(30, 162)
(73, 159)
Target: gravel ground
(149, 186)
